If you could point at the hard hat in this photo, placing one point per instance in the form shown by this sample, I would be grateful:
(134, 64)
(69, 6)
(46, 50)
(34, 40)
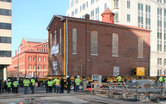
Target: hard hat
(57, 77)
(67, 76)
(8, 79)
(50, 78)
(78, 76)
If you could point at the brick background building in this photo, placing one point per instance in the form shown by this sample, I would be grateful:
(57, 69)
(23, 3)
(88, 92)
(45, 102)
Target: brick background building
(32, 59)
(89, 47)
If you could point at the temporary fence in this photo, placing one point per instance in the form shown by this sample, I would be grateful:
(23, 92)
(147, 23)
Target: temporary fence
(124, 91)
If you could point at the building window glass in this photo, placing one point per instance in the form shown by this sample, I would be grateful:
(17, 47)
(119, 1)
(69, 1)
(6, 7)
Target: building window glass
(87, 4)
(5, 53)
(5, 26)
(164, 62)
(44, 59)
(5, 12)
(76, 11)
(44, 67)
(105, 6)
(72, 3)
(128, 4)
(115, 45)
(159, 29)
(92, 14)
(140, 15)
(94, 43)
(83, 6)
(6, 0)
(159, 72)
(128, 17)
(5, 39)
(97, 13)
(34, 66)
(34, 59)
(29, 58)
(116, 70)
(116, 17)
(74, 39)
(140, 47)
(159, 1)
(148, 17)
(159, 61)
(116, 3)
(92, 2)
(39, 58)
(29, 67)
(39, 67)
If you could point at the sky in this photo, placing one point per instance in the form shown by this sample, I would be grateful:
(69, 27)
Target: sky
(30, 18)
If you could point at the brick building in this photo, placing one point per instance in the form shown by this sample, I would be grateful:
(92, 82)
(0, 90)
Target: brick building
(86, 47)
(32, 59)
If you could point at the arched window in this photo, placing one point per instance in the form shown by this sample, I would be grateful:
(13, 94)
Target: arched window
(94, 43)
(115, 44)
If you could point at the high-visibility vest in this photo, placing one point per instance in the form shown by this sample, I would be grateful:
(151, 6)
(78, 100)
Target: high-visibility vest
(165, 80)
(77, 81)
(50, 83)
(26, 82)
(9, 84)
(160, 79)
(15, 83)
(33, 82)
(119, 78)
(57, 82)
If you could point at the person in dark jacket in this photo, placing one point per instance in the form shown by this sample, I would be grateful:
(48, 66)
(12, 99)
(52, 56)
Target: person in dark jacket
(46, 85)
(68, 82)
(62, 85)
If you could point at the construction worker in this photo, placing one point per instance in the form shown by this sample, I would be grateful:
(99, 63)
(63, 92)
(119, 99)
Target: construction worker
(164, 81)
(57, 83)
(54, 85)
(9, 85)
(50, 84)
(68, 82)
(32, 85)
(77, 82)
(15, 86)
(62, 85)
(161, 81)
(119, 78)
(46, 85)
(26, 83)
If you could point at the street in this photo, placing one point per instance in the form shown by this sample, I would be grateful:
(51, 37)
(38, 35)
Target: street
(40, 97)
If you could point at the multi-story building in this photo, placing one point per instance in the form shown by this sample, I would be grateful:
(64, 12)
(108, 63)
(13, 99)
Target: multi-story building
(149, 14)
(32, 61)
(86, 47)
(5, 36)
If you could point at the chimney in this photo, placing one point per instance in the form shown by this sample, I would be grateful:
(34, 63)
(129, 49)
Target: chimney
(87, 17)
(15, 52)
(108, 16)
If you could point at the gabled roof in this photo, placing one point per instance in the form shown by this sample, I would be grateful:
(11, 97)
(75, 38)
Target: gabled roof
(95, 22)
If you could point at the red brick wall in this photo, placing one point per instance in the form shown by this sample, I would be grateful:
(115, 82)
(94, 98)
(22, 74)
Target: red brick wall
(84, 63)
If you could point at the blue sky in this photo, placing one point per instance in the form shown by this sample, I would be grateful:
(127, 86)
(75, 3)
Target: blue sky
(31, 17)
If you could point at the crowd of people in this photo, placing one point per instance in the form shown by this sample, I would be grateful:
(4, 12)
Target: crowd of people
(56, 85)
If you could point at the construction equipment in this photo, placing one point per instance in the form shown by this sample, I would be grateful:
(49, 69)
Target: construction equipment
(139, 71)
